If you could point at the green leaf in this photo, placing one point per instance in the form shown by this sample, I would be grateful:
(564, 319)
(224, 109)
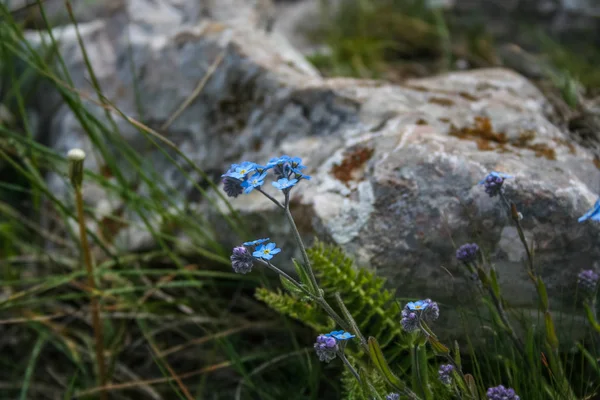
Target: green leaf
(290, 287)
(543, 294)
(381, 364)
(591, 317)
(550, 331)
(457, 359)
(304, 278)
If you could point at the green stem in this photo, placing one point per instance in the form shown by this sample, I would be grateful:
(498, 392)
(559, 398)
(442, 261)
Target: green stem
(286, 276)
(350, 319)
(349, 366)
(300, 243)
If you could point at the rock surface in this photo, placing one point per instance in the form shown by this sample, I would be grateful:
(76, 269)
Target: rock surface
(395, 168)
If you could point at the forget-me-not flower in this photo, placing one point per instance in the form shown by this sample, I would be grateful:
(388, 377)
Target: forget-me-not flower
(593, 213)
(266, 251)
(392, 396)
(232, 186)
(340, 335)
(588, 281)
(284, 183)
(255, 242)
(493, 183)
(255, 181)
(242, 170)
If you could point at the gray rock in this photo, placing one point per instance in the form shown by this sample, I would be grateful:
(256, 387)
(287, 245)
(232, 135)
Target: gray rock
(395, 168)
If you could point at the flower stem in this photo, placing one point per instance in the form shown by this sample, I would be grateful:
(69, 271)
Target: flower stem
(96, 323)
(274, 200)
(286, 276)
(349, 366)
(306, 264)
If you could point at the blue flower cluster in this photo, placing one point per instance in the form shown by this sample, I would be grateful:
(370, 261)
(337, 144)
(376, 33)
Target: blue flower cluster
(413, 312)
(392, 396)
(247, 176)
(327, 346)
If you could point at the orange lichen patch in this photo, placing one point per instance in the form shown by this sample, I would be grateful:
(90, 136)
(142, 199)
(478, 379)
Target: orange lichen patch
(353, 160)
(597, 162)
(482, 133)
(487, 139)
(442, 101)
(421, 121)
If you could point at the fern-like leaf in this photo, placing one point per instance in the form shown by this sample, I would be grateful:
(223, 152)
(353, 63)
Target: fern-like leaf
(363, 293)
(306, 312)
(352, 389)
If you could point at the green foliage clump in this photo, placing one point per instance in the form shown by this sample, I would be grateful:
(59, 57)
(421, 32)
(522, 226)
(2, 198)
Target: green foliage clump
(286, 304)
(371, 305)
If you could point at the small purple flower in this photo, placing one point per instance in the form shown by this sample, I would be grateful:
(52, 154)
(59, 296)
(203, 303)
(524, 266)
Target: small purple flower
(241, 260)
(255, 181)
(467, 252)
(232, 186)
(326, 348)
(501, 393)
(588, 281)
(493, 183)
(392, 396)
(284, 183)
(266, 251)
(340, 335)
(431, 312)
(445, 373)
(409, 321)
(593, 213)
(255, 242)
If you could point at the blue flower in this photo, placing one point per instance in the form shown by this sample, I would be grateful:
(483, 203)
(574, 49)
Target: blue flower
(417, 305)
(266, 252)
(257, 180)
(277, 161)
(284, 183)
(493, 183)
(242, 170)
(340, 335)
(392, 396)
(593, 214)
(255, 242)
(296, 164)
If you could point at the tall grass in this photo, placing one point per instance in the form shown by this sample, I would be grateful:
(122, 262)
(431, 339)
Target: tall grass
(177, 324)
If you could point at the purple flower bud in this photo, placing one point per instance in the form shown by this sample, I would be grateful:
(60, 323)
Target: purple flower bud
(445, 373)
(501, 393)
(392, 396)
(232, 186)
(467, 252)
(409, 321)
(431, 312)
(493, 183)
(588, 281)
(241, 260)
(326, 348)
